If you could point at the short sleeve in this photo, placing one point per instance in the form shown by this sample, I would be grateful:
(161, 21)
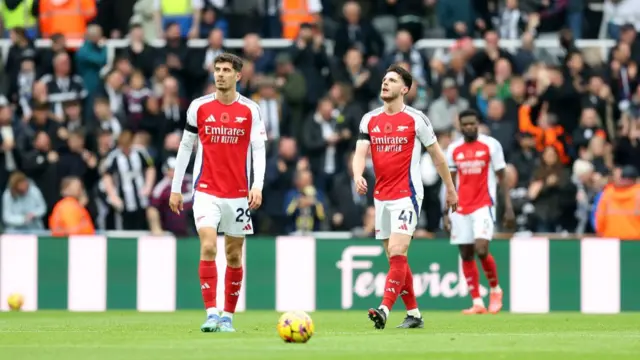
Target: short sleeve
(258, 131)
(497, 156)
(110, 165)
(363, 134)
(424, 130)
(450, 162)
(192, 118)
(147, 160)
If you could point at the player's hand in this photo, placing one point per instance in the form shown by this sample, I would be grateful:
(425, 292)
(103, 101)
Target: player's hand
(452, 200)
(509, 221)
(361, 185)
(175, 203)
(255, 198)
(446, 222)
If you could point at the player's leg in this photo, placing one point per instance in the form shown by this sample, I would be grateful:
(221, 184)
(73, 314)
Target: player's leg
(207, 215)
(483, 232)
(236, 224)
(403, 220)
(462, 236)
(413, 320)
(383, 231)
(234, 275)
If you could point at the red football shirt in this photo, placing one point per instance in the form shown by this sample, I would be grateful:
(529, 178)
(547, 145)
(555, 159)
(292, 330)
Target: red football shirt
(395, 152)
(225, 133)
(476, 164)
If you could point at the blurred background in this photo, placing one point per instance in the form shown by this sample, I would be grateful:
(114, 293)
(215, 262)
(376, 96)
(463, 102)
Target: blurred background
(94, 99)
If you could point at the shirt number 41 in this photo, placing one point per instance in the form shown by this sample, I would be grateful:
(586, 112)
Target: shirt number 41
(406, 216)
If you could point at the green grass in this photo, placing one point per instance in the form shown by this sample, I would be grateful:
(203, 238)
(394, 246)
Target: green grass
(339, 335)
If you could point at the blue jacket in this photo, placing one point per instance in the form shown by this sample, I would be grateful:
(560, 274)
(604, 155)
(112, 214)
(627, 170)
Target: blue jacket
(90, 59)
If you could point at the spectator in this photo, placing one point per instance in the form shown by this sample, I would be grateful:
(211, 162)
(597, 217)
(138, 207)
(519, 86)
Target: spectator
(353, 32)
(128, 176)
(551, 192)
(263, 60)
(309, 56)
(69, 216)
(445, 108)
(617, 208)
(270, 103)
(159, 215)
(364, 80)
(91, 58)
(62, 85)
(22, 205)
(293, 87)
(105, 120)
(9, 157)
(304, 204)
(348, 205)
(325, 143)
(278, 180)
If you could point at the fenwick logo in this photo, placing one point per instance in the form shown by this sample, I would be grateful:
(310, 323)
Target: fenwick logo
(366, 283)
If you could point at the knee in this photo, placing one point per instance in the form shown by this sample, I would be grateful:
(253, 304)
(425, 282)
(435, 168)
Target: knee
(234, 255)
(482, 250)
(208, 249)
(466, 253)
(397, 249)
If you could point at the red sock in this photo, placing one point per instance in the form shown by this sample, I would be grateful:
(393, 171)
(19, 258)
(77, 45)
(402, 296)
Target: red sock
(408, 296)
(490, 270)
(470, 270)
(232, 286)
(395, 280)
(208, 282)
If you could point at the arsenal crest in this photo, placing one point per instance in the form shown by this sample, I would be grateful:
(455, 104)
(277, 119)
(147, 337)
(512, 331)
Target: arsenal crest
(225, 117)
(388, 128)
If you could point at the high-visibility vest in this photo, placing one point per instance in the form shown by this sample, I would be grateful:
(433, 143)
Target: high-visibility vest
(176, 7)
(67, 17)
(69, 217)
(294, 13)
(18, 17)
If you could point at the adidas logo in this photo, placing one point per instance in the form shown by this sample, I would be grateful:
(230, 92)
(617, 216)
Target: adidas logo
(210, 119)
(376, 129)
(204, 286)
(237, 293)
(404, 227)
(247, 227)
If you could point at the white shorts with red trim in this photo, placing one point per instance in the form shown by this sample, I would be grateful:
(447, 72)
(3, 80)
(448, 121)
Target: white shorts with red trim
(397, 216)
(466, 229)
(229, 216)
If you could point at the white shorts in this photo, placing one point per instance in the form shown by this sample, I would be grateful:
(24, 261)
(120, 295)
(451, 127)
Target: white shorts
(228, 216)
(397, 216)
(466, 229)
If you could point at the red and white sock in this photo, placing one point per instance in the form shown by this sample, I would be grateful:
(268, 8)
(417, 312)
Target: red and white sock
(472, 276)
(395, 281)
(408, 296)
(208, 285)
(232, 285)
(491, 272)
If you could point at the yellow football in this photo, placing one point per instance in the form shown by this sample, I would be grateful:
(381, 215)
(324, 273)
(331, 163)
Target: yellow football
(15, 302)
(295, 327)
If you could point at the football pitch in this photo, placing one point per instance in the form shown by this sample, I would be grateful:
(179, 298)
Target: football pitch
(344, 335)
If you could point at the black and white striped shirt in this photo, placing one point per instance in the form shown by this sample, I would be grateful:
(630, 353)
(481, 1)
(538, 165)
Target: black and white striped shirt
(128, 172)
(61, 89)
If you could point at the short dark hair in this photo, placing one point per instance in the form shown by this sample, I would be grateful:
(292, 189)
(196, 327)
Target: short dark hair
(406, 76)
(469, 113)
(235, 61)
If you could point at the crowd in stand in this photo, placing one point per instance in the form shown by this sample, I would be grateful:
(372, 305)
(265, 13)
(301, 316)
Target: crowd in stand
(76, 124)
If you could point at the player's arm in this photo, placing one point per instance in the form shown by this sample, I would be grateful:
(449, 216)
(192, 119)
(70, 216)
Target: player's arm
(500, 167)
(189, 137)
(258, 148)
(424, 133)
(363, 144)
